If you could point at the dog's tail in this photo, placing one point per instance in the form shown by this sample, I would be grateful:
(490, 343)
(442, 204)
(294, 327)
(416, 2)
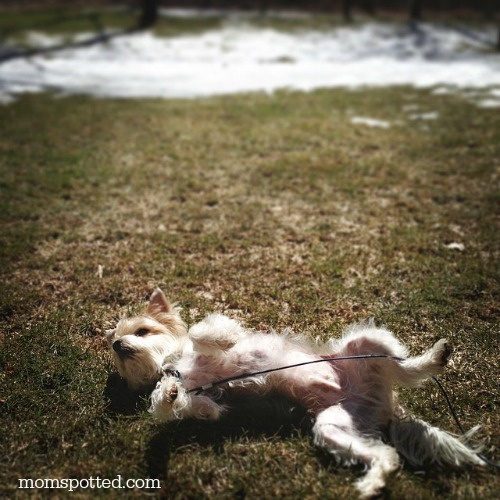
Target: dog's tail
(422, 444)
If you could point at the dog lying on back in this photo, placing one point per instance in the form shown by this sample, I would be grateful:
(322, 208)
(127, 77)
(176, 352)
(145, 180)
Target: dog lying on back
(353, 403)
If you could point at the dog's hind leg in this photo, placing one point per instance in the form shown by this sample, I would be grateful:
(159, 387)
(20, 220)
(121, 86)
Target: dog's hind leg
(420, 443)
(335, 430)
(413, 371)
(401, 369)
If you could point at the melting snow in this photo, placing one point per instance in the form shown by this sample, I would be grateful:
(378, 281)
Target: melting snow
(431, 115)
(370, 122)
(245, 58)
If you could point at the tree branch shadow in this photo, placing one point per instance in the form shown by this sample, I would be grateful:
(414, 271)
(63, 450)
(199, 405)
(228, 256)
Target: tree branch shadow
(98, 38)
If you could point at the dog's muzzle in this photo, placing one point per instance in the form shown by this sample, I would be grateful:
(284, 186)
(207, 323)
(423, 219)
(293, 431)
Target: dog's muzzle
(123, 350)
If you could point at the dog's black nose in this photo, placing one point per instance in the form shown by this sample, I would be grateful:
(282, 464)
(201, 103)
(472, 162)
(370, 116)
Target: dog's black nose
(123, 349)
(117, 346)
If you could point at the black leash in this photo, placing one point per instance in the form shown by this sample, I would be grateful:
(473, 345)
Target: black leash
(199, 390)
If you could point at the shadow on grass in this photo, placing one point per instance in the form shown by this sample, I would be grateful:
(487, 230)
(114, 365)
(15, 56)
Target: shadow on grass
(253, 417)
(120, 400)
(250, 417)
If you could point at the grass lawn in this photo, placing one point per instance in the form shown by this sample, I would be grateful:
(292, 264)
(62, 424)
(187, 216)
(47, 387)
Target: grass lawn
(276, 210)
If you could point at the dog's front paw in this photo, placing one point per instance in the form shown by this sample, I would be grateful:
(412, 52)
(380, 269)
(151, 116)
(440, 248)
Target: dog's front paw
(167, 400)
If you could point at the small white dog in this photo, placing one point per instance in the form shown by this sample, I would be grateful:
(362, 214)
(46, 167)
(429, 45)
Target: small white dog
(355, 409)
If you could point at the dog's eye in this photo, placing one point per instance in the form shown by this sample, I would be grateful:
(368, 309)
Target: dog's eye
(141, 332)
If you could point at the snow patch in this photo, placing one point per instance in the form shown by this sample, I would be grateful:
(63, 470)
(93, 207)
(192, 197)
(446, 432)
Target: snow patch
(489, 103)
(241, 57)
(370, 122)
(432, 115)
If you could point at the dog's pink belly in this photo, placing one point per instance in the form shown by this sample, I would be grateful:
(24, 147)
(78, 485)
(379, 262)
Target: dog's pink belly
(314, 387)
(202, 371)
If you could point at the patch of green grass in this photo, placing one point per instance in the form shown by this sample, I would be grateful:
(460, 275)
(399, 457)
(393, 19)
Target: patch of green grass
(277, 210)
(63, 20)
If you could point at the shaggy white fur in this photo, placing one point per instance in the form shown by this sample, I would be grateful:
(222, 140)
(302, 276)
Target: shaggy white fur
(353, 401)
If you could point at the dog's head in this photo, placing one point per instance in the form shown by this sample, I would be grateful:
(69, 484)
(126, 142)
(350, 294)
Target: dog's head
(141, 343)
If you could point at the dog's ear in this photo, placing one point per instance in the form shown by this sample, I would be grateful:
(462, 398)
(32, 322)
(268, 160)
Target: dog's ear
(166, 313)
(159, 304)
(109, 334)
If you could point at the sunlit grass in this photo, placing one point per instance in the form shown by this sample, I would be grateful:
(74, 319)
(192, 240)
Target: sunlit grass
(275, 209)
